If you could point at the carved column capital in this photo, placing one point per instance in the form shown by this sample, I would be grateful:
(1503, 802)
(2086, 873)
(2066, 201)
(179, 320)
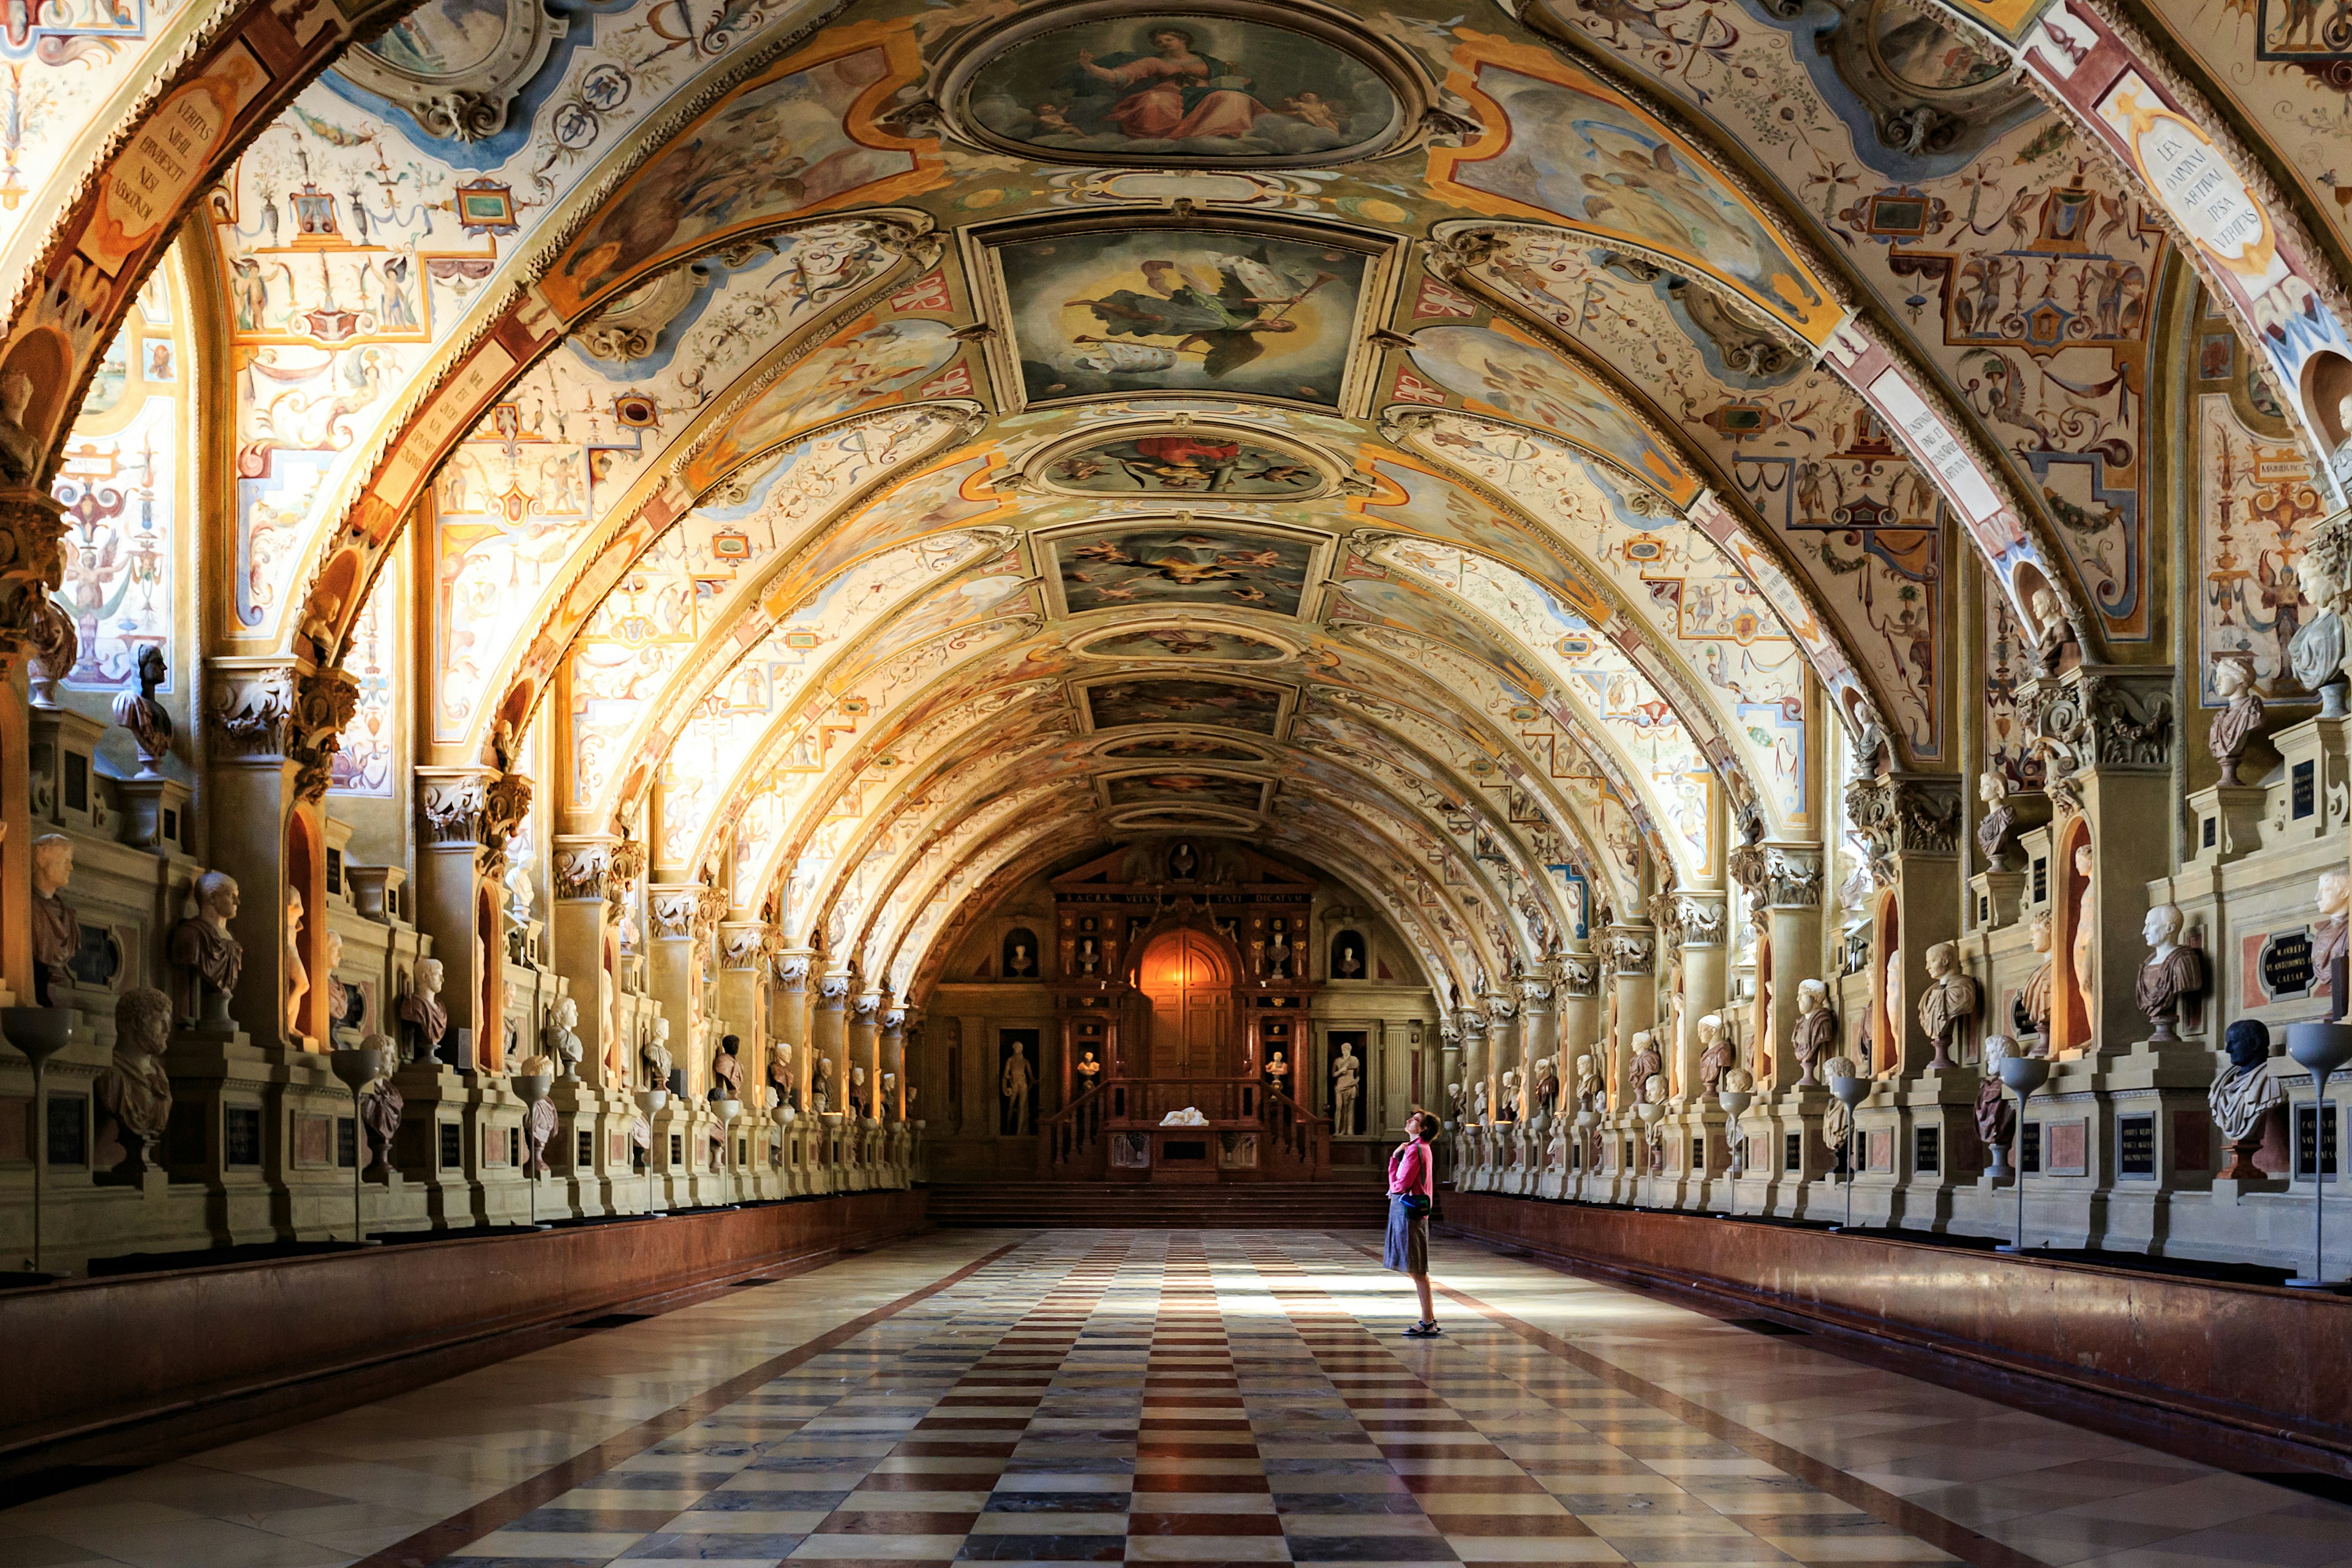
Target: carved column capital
(1575, 974)
(1702, 918)
(1906, 814)
(1630, 950)
(1535, 994)
(1500, 1010)
(832, 992)
(2097, 717)
(866, 1007)
(581, 866)
(671, 908)
(744, 944)
(793, 970)
(1470, 1021)
(1777, 876)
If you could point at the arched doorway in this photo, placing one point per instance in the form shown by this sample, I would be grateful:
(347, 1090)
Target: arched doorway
(1188, 979)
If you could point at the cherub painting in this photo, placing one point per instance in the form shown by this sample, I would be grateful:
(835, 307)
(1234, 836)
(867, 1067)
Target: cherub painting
(1163, 565)
(1168, 310)
(1201, 90)
(1182, 463)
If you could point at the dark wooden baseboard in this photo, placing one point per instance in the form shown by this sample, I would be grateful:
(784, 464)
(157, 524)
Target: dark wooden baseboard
(2262, 1372)
(132, 1369)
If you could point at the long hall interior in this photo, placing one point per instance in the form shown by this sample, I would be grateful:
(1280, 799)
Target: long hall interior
(758, 758)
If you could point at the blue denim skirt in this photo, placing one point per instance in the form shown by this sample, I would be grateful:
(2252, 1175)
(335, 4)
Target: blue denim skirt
(1408, 1245)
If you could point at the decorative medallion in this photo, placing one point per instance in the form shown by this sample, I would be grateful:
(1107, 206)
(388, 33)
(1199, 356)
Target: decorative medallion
(1160, 304)
(1186, 640)
(1182, 461)
(1233, 86)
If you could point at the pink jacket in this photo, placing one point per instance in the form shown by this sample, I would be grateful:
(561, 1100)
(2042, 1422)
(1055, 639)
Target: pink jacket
(1411, 1169)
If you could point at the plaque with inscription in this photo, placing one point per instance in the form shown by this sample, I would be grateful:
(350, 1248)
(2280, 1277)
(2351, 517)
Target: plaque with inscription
(2135, 1146)
(2315, 1142)
(2302, 791)
(2286, 965)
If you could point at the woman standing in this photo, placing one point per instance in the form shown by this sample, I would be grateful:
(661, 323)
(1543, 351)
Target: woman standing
(1413, 1191)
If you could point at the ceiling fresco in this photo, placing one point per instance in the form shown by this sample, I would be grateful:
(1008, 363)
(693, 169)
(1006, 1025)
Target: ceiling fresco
(1485, 454)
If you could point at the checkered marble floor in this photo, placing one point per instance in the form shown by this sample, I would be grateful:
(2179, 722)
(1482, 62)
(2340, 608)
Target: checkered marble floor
(1190, 1397)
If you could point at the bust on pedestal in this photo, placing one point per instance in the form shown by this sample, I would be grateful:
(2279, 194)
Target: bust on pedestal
(2171, 974)
(424, 1020)
(57, 927)
(2242, 1097)
(134, 1093)
(214, 959)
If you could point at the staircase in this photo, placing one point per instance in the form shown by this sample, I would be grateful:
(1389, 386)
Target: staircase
(1131, 1206)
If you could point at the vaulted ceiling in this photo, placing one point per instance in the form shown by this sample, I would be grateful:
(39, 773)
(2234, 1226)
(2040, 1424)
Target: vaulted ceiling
(875, 450)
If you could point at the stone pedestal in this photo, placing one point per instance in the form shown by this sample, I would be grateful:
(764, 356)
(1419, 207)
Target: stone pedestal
(2226, 822)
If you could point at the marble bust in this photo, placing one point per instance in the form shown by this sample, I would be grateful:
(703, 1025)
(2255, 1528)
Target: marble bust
(1815, 1031)
(2170, 973)
(1999, 820)
(134, 1093)
(1949, 1003)
(424, 1019)
(2236, 726)
(2315, 654)
(2244, 1095)
(55, 926)
(1716, 1057)
(2328, 944)
(202, 945)
(1996, 1115)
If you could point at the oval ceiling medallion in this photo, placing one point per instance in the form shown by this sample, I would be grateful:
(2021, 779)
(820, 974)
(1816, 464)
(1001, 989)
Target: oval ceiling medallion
(1222, 644)
(1183, 461)
(1236, 86)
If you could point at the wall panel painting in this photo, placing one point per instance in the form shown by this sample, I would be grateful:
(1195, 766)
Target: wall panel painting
(1166, 564)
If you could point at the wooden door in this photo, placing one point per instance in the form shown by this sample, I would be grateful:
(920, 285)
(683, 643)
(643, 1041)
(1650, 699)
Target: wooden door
(1191, 987)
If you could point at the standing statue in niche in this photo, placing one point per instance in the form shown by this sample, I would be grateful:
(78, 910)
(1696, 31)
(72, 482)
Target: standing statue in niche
(2087, 943)
(1996, 1113)
(298, 975)
(134, 1093)
(1894, 1013)
(147, 720)
(57, 927)
(381, 1105)
(1014, 1084)
(559, 1037)
(2328, 946)
(1949, 1003)
(423, 1017)
(1816, 1030)
(1347, 1072)
(1716, 1055)
(2240, 722)
(2033, 1001)
(2172, 973)
(2315, 654)
(2244, 1095)
(202, 945)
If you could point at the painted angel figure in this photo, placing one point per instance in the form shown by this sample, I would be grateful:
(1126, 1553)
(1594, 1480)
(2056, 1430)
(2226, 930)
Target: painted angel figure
(1216, 307)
